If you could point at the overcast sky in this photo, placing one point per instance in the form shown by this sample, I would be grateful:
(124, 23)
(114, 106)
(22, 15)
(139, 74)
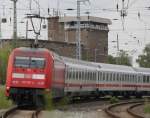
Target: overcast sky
(133, 38)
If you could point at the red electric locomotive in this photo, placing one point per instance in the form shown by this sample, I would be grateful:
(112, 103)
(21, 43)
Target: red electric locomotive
(30, 72)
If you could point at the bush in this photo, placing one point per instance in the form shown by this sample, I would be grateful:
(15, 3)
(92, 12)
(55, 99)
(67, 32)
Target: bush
(4, 102)
(51, 103)
(48, 101)
(4, 54)
(114, 100)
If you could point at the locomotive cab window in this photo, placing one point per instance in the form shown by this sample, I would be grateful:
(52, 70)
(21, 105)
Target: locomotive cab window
(29, 62)
(22, 62)
(37, 62)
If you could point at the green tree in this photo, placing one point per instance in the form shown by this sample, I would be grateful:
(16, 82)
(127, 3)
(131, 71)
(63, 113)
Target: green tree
(111, 59)
(4, 54)
(144, 59)
(121, 59)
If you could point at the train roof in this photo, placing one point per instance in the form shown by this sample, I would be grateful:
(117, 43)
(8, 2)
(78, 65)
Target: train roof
(78, 62)
(142, 70)
(117, 68)
(30, 49)
(99, 66)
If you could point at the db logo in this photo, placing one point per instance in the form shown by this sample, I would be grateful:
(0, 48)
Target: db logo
(28, 76)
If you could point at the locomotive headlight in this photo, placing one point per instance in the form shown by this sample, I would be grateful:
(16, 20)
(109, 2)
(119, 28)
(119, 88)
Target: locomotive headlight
(17, 75)
(38, 76)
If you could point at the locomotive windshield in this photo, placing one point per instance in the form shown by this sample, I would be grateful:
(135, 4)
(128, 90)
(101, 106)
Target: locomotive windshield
(29, 62)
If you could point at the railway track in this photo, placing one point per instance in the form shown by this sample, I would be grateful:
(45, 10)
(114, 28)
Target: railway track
(15, 112)
(124, 110)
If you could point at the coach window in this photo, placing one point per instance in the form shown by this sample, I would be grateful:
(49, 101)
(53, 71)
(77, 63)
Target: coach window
(67, 73)
(117, 77)
(107, 76)
(147, 79)
(70, 71)
(83, 75)
(94, 76)
(103, 76)
(88, 75)
(98, 76)
(73, 74)
(91, 76)
(130, 78)
(76, 74)
(114, 79)
(126, 76)
(110, 77)
(144, 79)
(120, 77)
(79, 74)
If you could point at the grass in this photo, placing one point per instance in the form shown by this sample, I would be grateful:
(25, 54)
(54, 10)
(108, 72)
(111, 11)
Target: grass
(4, 102)
(48, 101)
(51, 104)
(113, 100)
(147, 109)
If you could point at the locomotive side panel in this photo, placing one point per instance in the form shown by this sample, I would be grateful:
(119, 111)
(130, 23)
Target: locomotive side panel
(58, 80)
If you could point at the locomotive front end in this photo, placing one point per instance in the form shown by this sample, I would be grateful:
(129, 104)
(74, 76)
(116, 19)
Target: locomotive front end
(28, 75)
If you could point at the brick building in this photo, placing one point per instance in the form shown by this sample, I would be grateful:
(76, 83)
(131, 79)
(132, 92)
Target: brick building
(94, 35)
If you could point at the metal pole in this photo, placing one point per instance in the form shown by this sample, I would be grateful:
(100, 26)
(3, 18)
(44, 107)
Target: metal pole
(78, 35)
(0, 28)
(0, 34)
(117, 43)
(78, 40)
(15, 23)
(26, 29)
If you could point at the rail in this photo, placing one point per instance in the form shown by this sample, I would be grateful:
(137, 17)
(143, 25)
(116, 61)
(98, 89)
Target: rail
(36, 113)
(8, 112)
(114, 115)
(129, 110)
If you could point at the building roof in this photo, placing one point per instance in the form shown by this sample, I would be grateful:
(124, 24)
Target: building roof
(85, 18)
